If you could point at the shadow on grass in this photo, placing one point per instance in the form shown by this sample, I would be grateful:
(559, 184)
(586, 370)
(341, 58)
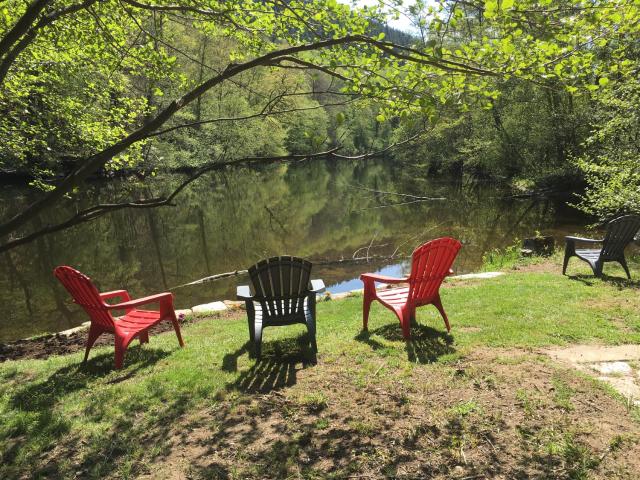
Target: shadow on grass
(41, 401)
(68, 379)
(425, 346)
(276, 369)
(619, 282)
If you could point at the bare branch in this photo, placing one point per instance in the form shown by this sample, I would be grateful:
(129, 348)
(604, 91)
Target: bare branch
(97, 211)
(175, 8)
(262, 114)
(308, 65)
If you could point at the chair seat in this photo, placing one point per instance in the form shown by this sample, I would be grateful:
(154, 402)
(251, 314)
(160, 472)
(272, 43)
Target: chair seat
(137, 320)
(393, 297)
(592, 254)
(264, 317)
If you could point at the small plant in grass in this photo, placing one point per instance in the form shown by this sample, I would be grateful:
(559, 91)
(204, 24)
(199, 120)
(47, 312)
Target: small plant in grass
(322, 424)
(254, 409)
(528, 402)
(578, 458)
(314, 402)
(499, 259)
(562, 394)
(463, 409)
(362, 427)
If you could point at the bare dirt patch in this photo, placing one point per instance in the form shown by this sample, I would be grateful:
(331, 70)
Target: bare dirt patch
(540, 265)
(619, 366)
(495, 414)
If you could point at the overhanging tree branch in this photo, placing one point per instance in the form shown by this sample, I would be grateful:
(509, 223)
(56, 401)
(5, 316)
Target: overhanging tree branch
(23, 24)
(262, 114)
(99, 159)
(100, 210)
(30, 34)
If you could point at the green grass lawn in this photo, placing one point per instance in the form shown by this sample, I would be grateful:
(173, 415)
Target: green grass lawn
(61, 420)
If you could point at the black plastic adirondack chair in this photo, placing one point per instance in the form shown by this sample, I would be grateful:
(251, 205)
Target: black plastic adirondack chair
(620, 233)
(281, 293)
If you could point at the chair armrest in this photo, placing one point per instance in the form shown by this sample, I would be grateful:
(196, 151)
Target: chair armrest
(243, 292)
(317, 286)
(157, 298)
(580, 239)
(116, 294)
(382, 278)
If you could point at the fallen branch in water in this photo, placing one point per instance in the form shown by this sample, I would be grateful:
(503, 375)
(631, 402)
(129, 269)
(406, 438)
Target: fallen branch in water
(340, 261)
(406, 195)
(212, 278)
(411, 198)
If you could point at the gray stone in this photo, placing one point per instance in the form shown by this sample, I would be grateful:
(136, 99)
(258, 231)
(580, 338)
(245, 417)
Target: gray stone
(209, 307)
(613, 368)
(71, 331)
(479, 275)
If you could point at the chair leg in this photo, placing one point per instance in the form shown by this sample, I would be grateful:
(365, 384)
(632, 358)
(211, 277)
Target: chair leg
(251, 315)
(623, 262)
(597, 268)
(437, 302)
(569, 251)
(257, 341)
(565, 262)
(121, 347)
(405, 323)
(366, 306)
(94, 333)
(176, 327)
(311, 328)
(311, 323)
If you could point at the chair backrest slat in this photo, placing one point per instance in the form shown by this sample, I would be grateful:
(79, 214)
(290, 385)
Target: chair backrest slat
(429, 266)
(620, 233)
(281, 284)
(85, 294)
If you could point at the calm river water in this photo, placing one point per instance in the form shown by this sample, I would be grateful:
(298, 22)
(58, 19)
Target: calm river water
(225, 222)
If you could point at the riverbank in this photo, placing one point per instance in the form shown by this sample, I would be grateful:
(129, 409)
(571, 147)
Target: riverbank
(320, 211)
(484, 402)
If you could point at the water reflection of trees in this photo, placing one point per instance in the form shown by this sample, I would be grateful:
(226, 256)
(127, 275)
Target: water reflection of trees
(226, 222)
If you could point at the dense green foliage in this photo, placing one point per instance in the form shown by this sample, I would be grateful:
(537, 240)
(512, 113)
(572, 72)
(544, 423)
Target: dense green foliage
(508, 89)
(611, 160)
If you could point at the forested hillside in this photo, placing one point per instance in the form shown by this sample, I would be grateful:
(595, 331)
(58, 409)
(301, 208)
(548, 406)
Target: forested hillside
(541, 94)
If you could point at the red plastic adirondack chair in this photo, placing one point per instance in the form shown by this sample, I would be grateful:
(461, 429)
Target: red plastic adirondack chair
(430, 264)
(134, 323)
